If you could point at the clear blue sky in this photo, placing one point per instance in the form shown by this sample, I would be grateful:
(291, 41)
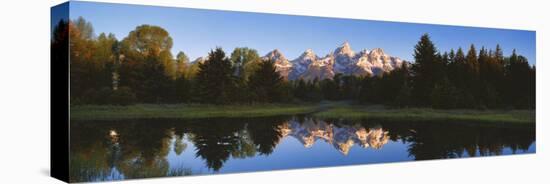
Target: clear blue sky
(197, 31)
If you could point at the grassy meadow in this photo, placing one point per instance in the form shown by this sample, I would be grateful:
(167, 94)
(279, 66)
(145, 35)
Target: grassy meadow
(185, 111)
(321, 110)
(427, 114)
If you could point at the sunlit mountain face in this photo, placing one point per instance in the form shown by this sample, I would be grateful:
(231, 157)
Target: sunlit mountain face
(114, 150)
(343, 60)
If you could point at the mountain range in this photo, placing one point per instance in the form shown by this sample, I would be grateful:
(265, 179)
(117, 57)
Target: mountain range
(343, 60)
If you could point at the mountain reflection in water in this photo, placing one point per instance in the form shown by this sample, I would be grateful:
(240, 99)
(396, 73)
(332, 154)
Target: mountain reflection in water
(341, 137)
(113, 150)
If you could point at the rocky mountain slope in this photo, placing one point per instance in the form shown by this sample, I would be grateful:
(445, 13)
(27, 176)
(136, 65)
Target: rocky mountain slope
(343, 59)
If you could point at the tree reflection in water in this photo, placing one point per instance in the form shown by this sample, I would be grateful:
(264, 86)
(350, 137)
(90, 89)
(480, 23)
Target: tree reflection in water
(139, 148)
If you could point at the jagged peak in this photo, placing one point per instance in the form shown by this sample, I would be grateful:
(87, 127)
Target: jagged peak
(377, 51)
(344, 49)
(275, 53)
(308, 53)
(278, 57)
(341, 60)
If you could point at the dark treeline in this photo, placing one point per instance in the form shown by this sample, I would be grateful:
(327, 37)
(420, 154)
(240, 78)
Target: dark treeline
(140, 68)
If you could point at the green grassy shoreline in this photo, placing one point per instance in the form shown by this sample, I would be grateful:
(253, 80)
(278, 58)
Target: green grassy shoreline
(433, 115)
(323, 110)
(185, 111)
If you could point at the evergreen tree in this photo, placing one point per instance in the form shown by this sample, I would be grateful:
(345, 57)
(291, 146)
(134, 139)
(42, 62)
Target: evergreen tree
(403, 98)
(498, 55)
(369, 90)
(266, 83)
(456, 69)
(443, 95)
(426, 70)
(329, 89)
(313, 91)
(489, 95)
(214, 80)
(300, 89)
(497, 76)
(531, 88)
(350, 87)
(445, 59)
(157, 86)
(451, 57)
(183, 90)
(392, 82)
(520, 82)
(472, 75)
(457, 76)
(400, 82)
(338, 82)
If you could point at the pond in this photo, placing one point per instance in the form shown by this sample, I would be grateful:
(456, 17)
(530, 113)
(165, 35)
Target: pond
(115, 150)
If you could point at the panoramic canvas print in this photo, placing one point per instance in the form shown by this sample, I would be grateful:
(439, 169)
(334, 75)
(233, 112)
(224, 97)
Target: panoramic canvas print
(161, 91)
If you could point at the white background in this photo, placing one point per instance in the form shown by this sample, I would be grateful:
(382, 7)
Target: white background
(25, 94)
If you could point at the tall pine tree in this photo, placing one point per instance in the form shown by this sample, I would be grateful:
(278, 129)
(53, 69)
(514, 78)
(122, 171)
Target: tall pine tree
(266, 83)
(426, 70)
(214, 79)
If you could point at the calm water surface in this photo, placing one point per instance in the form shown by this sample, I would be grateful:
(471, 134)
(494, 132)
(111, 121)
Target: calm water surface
(115, 150)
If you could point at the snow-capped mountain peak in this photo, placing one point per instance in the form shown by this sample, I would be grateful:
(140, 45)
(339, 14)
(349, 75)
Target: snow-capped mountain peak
(377, 52)
(282, 65)
(308, 55)
(344, 49)
(302, 63)
(343, 60)
(276, 55)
